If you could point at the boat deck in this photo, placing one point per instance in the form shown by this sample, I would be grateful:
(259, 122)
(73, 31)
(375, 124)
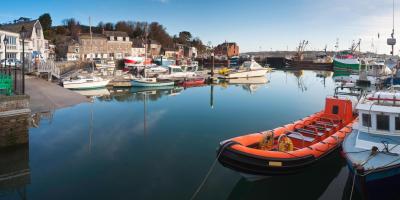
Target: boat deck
(358, 147)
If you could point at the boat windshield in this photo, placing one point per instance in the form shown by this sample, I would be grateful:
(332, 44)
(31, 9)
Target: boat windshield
(252, 65)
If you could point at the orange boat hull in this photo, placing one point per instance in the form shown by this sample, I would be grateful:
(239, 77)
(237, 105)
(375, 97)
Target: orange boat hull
(311, 140)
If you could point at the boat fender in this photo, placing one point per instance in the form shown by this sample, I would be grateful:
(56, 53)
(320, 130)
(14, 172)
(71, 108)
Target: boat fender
(285, 144)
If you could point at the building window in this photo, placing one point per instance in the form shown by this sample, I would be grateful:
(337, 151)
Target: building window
(366, 120)
(382, 122)
(397, 123)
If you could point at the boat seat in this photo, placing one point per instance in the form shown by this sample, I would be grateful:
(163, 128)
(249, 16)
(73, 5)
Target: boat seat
(326, 123)
(320, 127)
(296, 135)
(310, 132)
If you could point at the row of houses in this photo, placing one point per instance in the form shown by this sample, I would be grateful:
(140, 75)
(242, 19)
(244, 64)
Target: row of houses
(112, 45)
(35, 43)
(108, 45)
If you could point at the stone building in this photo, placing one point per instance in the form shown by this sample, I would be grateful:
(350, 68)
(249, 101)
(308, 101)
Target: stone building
(118, 44)
(138, 48)
(154, 48)
(92, 46)
(109, 45)
(170, 53)
(227, 49)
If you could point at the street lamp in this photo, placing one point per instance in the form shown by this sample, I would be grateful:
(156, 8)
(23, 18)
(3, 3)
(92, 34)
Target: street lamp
(23, 34)
(5, 50)
(212, 67)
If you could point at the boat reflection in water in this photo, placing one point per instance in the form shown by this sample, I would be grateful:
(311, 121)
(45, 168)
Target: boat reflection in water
(100, 92)
(249, 84)
(317, 182)
(136, 93)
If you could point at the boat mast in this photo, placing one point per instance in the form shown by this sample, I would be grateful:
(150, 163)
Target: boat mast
(91, 44)
(392, 41)
(145, 51)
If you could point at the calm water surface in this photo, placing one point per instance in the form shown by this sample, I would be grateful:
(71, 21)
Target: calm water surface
(122, 147)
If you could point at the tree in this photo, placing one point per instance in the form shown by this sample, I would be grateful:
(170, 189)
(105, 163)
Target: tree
(109, 26)
(73, 26)
(45, 21)
(196, 42)
(138, 29)
(61, 30)
(185, 37)
(158, 32)
(124, 27)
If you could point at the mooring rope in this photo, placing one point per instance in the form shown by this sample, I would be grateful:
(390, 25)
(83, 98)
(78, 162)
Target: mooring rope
(352, 186)
(209, 171)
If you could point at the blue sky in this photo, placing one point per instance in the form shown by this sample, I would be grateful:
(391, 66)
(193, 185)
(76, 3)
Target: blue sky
(254, 24)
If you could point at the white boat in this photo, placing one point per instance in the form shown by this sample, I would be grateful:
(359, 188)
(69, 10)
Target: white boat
(372, 150)
(248, 69)
(82, 83)
(176, 72)
(150, 82)
(156, 70)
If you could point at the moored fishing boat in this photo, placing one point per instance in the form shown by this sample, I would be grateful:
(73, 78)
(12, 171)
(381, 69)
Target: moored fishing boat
(291, 148)
(83, 83)
(192, 82)
(346, 61)
(372, 150)
(247, 70)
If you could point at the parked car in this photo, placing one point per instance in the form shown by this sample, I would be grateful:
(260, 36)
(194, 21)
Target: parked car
(10, 62)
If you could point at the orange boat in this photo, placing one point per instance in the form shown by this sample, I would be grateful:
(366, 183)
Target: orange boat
(291, 148)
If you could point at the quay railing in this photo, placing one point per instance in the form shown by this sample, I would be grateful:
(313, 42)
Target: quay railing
(11, 79)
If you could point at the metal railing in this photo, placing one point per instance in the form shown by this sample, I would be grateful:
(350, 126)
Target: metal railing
(11, 80)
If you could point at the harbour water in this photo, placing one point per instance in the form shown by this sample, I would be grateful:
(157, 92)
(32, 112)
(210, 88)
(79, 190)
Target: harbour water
(160, 144)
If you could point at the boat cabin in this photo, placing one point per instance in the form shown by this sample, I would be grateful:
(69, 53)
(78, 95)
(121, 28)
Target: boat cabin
(174, 69)
(379, 113)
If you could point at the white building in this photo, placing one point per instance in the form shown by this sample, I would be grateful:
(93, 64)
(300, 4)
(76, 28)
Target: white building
(35, 44)
(14, 47)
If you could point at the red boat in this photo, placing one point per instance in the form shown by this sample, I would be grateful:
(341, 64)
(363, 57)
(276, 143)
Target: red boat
(192, 82)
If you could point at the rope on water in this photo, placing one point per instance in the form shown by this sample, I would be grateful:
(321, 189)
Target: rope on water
(209, 171)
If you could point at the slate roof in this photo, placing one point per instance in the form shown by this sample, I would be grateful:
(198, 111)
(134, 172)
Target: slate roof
(115, 33)
(16, 28)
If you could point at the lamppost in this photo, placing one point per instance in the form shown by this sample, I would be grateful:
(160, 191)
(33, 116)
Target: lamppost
(5, 40)
(212, 67)
(23, 34)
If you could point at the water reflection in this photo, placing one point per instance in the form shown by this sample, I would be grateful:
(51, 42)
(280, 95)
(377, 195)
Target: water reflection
(143, 140)
(136, 94)
(14, 172)
(100, 92)
(249, 84)
(307, 185)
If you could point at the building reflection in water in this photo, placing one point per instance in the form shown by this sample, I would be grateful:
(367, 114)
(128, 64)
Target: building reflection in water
(14, 172)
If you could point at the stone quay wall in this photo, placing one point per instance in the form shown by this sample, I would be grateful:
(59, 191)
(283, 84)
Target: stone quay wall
(14, 120)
